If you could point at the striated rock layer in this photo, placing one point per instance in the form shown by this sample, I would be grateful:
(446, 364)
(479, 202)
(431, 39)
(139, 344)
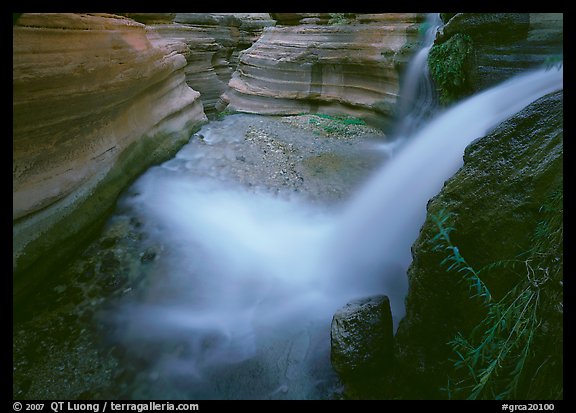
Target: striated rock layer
(349, 65)
(213, 43)
(94, 104)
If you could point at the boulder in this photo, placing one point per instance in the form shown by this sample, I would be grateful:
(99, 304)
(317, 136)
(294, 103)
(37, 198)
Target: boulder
(361, 338)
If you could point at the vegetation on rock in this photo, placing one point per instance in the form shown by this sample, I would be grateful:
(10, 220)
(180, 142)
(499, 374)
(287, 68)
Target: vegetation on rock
(503, 358)
(340, 125)
(447, 16)
(450, 64)
(554, 62)
(340, 18)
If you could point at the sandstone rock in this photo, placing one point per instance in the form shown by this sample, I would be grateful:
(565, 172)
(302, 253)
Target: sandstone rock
(94, 104)
(361, 338)
(213, 43)
(332, 68)
(496, 197)
(291, 19)
(151, 18)
(506, 43)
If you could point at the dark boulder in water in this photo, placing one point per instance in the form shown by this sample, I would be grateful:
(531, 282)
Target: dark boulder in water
(361, 338)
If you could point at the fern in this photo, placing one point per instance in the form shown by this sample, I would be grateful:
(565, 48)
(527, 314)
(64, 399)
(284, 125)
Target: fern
(454, 259)
(494, 357)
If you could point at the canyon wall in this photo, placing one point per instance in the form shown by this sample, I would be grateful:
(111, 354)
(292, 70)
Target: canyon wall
(492, 47)
(95, 102)
(213, 42)
(329, 63)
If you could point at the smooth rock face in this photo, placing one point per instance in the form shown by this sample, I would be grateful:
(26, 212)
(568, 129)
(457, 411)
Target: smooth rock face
(95, 103)
(213, 43)
(506, 43)
(362, 338)
(349, 68)
(496, 196)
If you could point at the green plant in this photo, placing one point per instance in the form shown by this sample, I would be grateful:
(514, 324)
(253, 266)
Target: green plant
(224, 113)
(450, 66)
(498, 359)
(343, 119)
(335, 124)
(339, 18)
(554, 61)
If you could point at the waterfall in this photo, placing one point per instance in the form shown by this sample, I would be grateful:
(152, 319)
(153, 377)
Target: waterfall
(371, 244)
(418, 100)
(240, 303)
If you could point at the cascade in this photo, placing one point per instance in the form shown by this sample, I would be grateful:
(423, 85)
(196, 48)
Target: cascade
(248, 281)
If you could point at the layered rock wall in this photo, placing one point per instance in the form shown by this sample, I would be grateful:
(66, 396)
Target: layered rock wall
(317, 63)
(94, 104)
(213, 43)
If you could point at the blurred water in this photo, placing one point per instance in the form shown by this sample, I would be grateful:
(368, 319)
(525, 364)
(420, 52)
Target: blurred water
(239, 305)
(418, 99)
(370, 248)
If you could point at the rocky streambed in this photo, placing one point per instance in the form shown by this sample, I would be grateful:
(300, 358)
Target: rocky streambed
(64, 344)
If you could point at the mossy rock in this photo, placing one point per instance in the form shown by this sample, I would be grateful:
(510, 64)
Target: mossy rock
(451, 64)
(497, 199)
(447, 16)
(504, 44)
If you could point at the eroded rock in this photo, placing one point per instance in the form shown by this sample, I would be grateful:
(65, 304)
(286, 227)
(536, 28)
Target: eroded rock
(95, 102)
(213, 42)
(319, 67)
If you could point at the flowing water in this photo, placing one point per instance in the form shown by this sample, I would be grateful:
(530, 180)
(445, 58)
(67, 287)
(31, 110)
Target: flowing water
(239, 303)
(418, 99)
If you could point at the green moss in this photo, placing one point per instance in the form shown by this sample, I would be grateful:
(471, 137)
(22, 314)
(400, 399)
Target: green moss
(343, 119)
(340, 18)
(338, 125)
(447, 16)
(554, 62)
(224, 113)
(450, 64)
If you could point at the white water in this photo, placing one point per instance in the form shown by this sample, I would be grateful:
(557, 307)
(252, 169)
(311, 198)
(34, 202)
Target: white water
(248, 282)
(418, 99)
(384, 218)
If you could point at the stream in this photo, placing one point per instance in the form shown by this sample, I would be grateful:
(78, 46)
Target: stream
(220, 269)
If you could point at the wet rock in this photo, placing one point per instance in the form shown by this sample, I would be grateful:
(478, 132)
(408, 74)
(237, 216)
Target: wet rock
(361, 338)
(504, 44)
(109, 263)
(108, 242)
(496, 198)
(148, 255)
